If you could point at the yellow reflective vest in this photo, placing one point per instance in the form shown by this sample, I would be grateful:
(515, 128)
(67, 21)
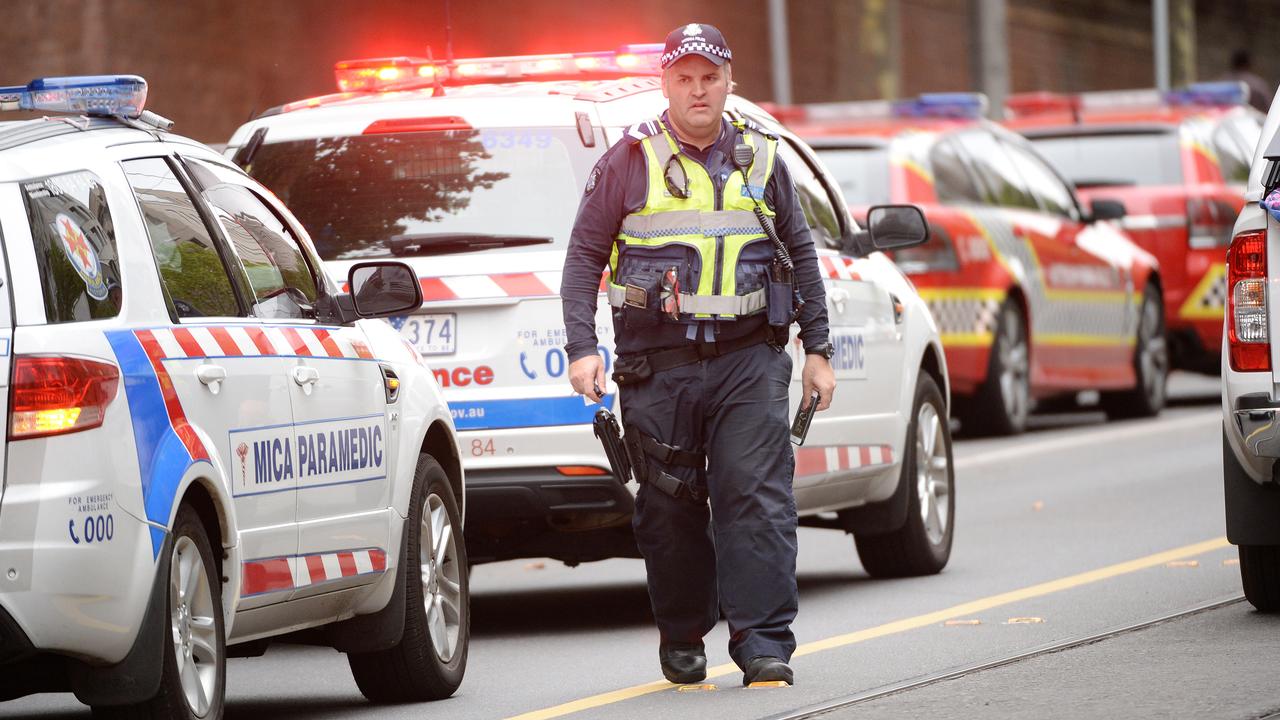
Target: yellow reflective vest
(712, 239)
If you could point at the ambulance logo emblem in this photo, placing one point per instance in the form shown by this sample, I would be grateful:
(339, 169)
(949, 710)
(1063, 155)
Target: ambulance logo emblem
(81, 255)
(692, 30)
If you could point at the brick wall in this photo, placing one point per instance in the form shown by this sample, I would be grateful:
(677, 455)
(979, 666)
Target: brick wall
(214, 63)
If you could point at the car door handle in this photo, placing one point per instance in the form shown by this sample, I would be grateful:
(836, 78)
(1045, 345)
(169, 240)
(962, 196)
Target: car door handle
(838, 297)
(306, 377)
(212, 376)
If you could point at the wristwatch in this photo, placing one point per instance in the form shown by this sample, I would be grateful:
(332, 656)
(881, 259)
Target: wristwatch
(826, 350)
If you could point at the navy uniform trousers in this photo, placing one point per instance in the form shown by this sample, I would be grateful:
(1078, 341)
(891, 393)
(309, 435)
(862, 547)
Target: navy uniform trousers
(737, 556)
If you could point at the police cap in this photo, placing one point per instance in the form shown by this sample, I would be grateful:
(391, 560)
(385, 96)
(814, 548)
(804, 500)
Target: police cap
(697, 38)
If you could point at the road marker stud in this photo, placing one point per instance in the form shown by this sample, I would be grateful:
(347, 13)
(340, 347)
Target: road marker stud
(1182, 564)
(1231, 561)
(1024, 621)
(955, 623)
(697, 688)
(769, 684)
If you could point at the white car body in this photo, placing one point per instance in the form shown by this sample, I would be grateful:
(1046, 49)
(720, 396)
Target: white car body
(506, 381)
(85, 516)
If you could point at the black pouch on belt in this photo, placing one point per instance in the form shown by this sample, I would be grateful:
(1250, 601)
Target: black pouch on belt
(642, 305)
(632, 369)
(780, 296)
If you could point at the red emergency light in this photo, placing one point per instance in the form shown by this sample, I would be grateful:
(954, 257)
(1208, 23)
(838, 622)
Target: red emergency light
(400, 73)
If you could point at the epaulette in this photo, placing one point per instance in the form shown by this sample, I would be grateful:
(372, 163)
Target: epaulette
(742, 122)
(640, 131)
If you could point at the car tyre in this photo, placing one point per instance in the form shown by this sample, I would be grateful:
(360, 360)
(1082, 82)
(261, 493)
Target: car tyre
(1150, 365)
(922, 546)
(429, 661)
(1003, 402)
(194, 676)
(1260, 576)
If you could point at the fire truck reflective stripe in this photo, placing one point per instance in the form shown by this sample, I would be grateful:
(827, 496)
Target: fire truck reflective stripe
(296, 342)
(286, 573)
(224, 341)
(163, 457)
(190, 348)
(820, 459)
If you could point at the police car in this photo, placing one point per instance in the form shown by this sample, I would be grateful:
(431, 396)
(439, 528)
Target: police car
(1250, 366)
(471, 171)
(208, 447)
(1178, 161)
(1037, 294)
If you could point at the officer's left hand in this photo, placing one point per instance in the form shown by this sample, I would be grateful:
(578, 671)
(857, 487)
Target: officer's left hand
(818, 375)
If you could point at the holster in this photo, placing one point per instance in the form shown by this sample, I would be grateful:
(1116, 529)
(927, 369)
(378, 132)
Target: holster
(780, 300)
(606, 428)
(641, 447)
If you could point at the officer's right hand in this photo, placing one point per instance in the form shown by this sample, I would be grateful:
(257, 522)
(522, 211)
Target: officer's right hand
(587, 374)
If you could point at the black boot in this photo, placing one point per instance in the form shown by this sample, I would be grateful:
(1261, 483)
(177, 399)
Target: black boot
(683, 662)
(767, 669)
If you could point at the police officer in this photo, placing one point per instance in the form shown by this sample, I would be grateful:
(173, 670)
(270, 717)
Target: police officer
(702, 302)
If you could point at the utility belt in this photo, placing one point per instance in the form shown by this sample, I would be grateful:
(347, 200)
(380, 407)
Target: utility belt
(652, 298)
(630, 456)
(635, 368)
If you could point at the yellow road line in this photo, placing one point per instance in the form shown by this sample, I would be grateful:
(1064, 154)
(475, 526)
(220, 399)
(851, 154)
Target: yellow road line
(899, 626)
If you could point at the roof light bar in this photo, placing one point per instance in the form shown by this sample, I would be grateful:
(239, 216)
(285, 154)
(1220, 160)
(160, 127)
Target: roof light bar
(105, 95)
(1226, 93)
(965, 106)
(1041, 103)
(395, 73)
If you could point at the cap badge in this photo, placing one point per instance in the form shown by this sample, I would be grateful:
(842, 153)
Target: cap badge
(693, 29)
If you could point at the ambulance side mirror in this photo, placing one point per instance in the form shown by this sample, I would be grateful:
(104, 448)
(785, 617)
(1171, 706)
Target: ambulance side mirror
(383, 288)
(894, 227)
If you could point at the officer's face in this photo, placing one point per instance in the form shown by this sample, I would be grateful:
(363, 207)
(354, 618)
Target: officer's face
(697, 89)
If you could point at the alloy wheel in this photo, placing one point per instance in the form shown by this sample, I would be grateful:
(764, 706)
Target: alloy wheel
(441, 584)
(195, 640)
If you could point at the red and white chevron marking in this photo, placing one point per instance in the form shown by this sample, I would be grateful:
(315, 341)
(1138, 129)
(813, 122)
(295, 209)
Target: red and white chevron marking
(252, 340)
(478, 287)
(837, 267)
(286, 573)
(817, 460)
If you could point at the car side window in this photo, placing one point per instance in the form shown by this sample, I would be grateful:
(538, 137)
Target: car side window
(75, 246)
(951, 177)
(819, 211)
(192, 271)
(1003, 185)
(1049, 190)
(275, 267)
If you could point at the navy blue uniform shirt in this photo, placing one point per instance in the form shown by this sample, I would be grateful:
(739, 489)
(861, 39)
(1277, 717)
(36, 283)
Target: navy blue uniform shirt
(620, 188)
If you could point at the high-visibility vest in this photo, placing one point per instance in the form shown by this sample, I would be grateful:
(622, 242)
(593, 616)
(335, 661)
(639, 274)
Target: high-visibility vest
(713, 237)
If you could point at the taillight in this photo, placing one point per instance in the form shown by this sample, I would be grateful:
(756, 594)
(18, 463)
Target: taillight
(1248, 340)
(52, 395)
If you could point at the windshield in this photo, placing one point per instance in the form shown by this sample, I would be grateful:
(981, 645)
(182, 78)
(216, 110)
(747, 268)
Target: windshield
(371, 196)
(1115, 159)
(863, 173)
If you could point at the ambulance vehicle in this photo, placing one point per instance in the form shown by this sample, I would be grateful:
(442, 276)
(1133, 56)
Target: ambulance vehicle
(209, 446)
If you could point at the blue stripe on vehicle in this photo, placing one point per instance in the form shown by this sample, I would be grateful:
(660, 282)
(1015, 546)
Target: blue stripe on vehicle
(162, 458)
(523, 413)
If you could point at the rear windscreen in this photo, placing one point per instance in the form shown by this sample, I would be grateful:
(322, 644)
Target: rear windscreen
(1115, 159)
(862, 173)
(430, 192)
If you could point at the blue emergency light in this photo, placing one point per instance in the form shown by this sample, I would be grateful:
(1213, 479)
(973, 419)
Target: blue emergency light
(102, 95)
(942, 105)
(1223, 93)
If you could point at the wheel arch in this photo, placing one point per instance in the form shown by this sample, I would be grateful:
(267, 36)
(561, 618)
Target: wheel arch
(217, 525)
(440, 443)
